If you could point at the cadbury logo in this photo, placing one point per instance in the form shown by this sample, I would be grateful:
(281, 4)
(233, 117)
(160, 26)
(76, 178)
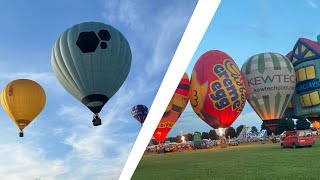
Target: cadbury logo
(228, 90)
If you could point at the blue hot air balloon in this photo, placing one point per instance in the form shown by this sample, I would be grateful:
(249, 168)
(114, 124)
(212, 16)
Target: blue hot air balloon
(91, 61)
(140, 112)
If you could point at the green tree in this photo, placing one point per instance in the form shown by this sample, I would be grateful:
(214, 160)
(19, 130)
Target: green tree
(286, 124)
(239, 129)
(189, 137)
(213, 135)
(263, 126)
(172, 139)
(205, 135)
(254, 129)
(230, 132)
(178, 139)
(302, 123)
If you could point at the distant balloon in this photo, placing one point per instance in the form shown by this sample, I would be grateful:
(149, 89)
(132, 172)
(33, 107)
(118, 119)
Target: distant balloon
(217, 91)
(305, 58)
(140, 112)
(91, 61)
(23, 100)
(174, 109)
(315, 121)
(270, 84)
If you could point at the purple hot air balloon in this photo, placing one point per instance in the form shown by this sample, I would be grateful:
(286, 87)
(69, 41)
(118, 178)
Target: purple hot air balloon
(140, 112)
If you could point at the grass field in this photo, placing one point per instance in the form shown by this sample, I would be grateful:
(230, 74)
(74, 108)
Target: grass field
(246, 161)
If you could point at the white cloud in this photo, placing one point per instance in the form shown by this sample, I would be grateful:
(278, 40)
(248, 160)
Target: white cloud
(166, 27)
(101, 150)
(312, 4)
(27, 161)
(46, 79)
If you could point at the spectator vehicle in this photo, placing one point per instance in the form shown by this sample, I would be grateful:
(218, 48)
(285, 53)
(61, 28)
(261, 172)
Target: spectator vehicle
(297, 138)
(168, 148)
(233, 143)
(202, 144)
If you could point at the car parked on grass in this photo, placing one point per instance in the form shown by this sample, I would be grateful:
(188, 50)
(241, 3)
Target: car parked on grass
(203, 144)
(297, 138)
(233, 143)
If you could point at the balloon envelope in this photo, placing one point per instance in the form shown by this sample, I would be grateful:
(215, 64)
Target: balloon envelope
(23, 100)
(174, 109)
(289, 112)
(315, 121)
(270, 83)
(217, 91)
(306, 62)
(91, 61)
(140, 112)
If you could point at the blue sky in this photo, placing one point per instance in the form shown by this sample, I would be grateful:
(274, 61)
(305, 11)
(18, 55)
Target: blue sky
(61, 142)
(245, 28)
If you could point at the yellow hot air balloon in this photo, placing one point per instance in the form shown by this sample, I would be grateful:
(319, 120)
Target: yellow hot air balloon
(23, 100)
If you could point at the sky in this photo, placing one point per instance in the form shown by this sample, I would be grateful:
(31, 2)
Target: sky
(61, 142)
(245, 28)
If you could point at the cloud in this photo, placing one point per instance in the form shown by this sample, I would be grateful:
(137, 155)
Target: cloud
(46, 79)
(248, 118)
(27, 161)
(166, 27)
(312, 4)
(102, 150)
(261, 25)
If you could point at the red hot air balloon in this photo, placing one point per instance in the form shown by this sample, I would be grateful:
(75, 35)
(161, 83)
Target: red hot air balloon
(175, 108)
(217, 91)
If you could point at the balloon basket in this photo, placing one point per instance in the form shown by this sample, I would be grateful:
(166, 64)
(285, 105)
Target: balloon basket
(21, 134)
(96, 121)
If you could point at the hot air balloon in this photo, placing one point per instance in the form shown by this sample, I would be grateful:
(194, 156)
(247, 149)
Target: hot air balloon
(174, 109)
(217, 91)
(315, 121)
(289, 112)
(306, 62)
(23, 100)
(270, 83)
(305, 58)
(91, 61)
(140, 112)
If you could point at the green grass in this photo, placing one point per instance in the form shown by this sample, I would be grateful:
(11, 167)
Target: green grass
(246, 161)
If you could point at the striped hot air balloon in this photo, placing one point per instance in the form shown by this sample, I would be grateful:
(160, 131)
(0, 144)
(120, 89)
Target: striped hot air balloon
(270, 82)
(174, 109)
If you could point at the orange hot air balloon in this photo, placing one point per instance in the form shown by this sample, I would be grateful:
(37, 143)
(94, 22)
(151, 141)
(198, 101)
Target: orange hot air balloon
(175, 108)
(23, 100)
(217, 91)
(315, 121)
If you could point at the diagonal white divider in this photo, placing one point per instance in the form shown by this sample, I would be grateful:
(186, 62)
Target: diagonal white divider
(189, 43)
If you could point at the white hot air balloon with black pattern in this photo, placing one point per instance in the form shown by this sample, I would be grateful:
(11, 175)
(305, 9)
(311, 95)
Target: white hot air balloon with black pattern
(91, 60)
(270, 83)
